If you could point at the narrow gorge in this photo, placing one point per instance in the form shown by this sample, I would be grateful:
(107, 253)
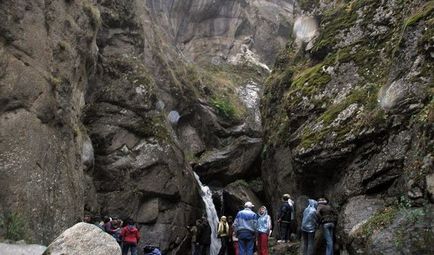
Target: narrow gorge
(128, 108)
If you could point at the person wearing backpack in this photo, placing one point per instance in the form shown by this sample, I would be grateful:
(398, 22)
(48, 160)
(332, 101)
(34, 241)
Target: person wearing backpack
(328, 218)
(284, 218)
(130, 238)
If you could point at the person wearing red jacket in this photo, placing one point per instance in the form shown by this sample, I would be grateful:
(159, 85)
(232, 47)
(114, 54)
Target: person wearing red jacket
(130, 238)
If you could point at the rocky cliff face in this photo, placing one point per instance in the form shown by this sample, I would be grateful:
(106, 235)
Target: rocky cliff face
(47, 52)
(351, 99)
(153, 112)
(106, 105)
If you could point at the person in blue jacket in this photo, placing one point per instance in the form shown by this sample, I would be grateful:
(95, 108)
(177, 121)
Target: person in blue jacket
(245, 226)
(309, 224)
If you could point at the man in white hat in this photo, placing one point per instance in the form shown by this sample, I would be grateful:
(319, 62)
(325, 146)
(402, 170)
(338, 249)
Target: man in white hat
(245, 225)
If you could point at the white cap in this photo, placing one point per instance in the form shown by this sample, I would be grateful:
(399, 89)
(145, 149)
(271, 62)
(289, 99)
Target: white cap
(248, 204)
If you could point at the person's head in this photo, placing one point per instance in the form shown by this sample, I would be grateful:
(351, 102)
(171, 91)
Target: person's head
(285, 197)
(313, 203)
(230, 219)
(322, 201)
(262, 210)
(204, 221)
(198, 222)
(87, 218)
(130, 222)
(106, 219)
(223, 218)
(249, 205)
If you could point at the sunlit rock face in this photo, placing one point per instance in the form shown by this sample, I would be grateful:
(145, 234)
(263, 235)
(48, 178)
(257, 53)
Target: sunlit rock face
(305, 28)
(207, 30)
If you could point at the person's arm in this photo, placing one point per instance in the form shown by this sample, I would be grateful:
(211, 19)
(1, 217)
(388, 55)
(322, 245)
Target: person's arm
(270, 226)
(138, 236)
(122, 234)
(279, 215)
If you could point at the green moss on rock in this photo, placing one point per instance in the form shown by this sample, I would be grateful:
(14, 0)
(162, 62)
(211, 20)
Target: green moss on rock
(420, 14)
(378, 221)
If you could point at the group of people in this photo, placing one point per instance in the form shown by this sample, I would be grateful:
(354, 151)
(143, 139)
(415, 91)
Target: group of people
(238, 236)
(318, 213)
(125, 233)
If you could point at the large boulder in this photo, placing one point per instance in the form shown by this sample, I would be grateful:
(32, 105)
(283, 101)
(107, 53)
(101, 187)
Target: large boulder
(236, 194)
(83, 239)
(356, 211)
(21, 249)
(231, 162)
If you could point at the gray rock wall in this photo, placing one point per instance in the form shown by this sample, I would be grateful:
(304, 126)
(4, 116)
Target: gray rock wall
(348, 115)
(47, 51)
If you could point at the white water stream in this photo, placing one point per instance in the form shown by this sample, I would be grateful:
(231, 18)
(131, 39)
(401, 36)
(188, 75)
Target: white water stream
(211, 213)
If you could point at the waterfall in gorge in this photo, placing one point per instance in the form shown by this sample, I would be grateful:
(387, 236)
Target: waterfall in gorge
(212, 216)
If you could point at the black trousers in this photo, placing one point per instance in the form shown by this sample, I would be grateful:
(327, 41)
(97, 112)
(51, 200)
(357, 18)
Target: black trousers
(224, 248)
(285, 230)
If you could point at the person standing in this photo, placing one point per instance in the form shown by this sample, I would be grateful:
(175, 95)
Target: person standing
(130, 238)
(264, 230)
(245, 226)
(309, 224)
(328, 218)
(284, 219)
(231, 247)
(205, 237)
(194, 231)
(223, 234)
(236, 246)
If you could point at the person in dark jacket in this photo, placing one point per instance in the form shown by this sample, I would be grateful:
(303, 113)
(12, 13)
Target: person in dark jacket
(194, 231)
(231, 248)
(284, 218)
(130, 238)
(309, 225)
(205, 237)
(328, 218)
(108, 226)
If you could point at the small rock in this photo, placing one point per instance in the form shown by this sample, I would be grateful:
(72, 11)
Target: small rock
(415, 193)
(21, 249)
(430, 186)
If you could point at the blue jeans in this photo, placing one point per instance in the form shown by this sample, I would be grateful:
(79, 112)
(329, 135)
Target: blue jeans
(328, 236)
(246, 246)
(308, 243)
(131, 247)
(246, 239)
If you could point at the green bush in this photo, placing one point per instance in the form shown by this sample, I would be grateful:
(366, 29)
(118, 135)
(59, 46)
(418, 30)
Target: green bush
(13, 226)
(224, 108)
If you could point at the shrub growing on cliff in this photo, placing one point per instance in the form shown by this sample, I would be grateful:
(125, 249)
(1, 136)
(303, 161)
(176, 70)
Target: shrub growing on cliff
(13, 226)
(224, 108)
